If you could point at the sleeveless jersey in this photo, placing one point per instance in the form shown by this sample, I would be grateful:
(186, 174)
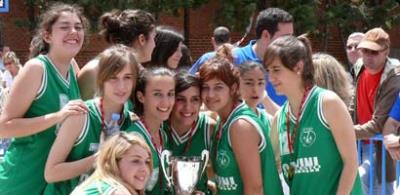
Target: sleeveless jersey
(265, 118)
(157, 183)
(200, 141)
(226, 168)
(86, 145)
(23, 168)
(316, 160)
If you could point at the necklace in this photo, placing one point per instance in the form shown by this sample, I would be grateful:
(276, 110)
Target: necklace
(158, 148)
(291, 139)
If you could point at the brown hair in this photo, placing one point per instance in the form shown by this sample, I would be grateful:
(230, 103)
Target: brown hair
(220, 68)
(124, 27)
(290, 50)
(50, 17)
(112, 61)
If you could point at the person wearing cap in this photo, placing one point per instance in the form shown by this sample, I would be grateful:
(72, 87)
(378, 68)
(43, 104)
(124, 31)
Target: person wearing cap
(377, 79)
(220, 36)
(353, 54)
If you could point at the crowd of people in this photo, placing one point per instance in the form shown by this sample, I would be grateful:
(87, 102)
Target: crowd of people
(275, 117)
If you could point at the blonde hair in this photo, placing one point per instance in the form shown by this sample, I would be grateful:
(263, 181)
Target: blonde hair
(11, 56)
(110, 154)
(330, 74)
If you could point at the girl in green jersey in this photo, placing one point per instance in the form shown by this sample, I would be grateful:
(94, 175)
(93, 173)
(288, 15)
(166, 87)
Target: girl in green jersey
(154, 100)
(316, 138)
(242, 154)
(123, 166)
(42, 96)
(72, 155)
(189, 129)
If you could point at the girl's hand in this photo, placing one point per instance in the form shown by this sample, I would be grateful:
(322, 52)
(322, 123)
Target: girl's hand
(73, 107)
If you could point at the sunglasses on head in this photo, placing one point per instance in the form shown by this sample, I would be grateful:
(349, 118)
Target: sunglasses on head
(371, 52)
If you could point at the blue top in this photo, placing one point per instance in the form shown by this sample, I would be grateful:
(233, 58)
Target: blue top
(196, 66)
(395, 112)
(246, 53)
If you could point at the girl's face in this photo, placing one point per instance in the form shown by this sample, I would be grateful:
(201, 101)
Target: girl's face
(134, 167)
(252, 86)
(159, 97)
(148, 47)
(216, 94)
(187, 106)
(282, 78)
(119, 87)
(174, 59)
(67, 34)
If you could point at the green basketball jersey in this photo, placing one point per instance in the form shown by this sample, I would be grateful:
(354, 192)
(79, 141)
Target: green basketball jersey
(316, 159)
(86, 145)
(22, 170)
(97, 187)
(157, 182)
(200, 141)
(226, 168)
(265, 118)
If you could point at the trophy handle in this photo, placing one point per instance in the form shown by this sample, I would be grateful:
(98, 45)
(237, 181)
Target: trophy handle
(166, 155)
(204, 157)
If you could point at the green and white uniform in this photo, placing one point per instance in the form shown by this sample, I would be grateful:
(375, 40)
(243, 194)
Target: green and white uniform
(86, 145)
(97, 188)
(200, 141)
(22, 170)
(157, 183)
(316, 159)
(226, 168)
(265, 118)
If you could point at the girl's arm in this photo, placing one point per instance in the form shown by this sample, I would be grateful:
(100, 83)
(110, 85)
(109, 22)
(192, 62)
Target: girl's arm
(57, 169)
(247, 155)
(341, 125)
(22, 94)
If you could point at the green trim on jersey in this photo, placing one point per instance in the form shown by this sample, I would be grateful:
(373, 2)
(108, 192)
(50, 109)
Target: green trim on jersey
(86, 145)
(200, 141)
(22, 170)
(154, 185)
(97, 187)
(227, 172)
(316, 157)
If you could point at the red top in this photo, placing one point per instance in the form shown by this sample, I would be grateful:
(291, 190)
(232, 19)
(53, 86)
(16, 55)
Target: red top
(366, 90)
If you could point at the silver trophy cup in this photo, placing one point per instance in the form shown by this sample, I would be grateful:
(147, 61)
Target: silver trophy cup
(181, 172)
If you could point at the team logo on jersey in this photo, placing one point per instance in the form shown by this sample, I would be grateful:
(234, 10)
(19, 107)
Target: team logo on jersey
(223, 158)
(307, 136)
(302, 165)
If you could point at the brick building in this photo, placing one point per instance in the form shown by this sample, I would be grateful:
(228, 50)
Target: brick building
(200, 31)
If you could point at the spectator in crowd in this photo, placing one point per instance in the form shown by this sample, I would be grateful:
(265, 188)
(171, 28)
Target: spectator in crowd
(35, 47)
(377, 79)
(123, 167)
(132, 28)
(12, 65)
(220, 36)
(390, 131)
(271, 23)
(168, 49)
(353, 53)
(44, 93)
(330, 74)
(3, 50)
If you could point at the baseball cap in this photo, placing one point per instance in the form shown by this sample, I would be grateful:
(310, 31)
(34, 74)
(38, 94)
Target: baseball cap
(375, 39)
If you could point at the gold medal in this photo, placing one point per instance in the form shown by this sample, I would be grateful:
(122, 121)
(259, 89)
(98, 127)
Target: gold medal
(291, 172)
